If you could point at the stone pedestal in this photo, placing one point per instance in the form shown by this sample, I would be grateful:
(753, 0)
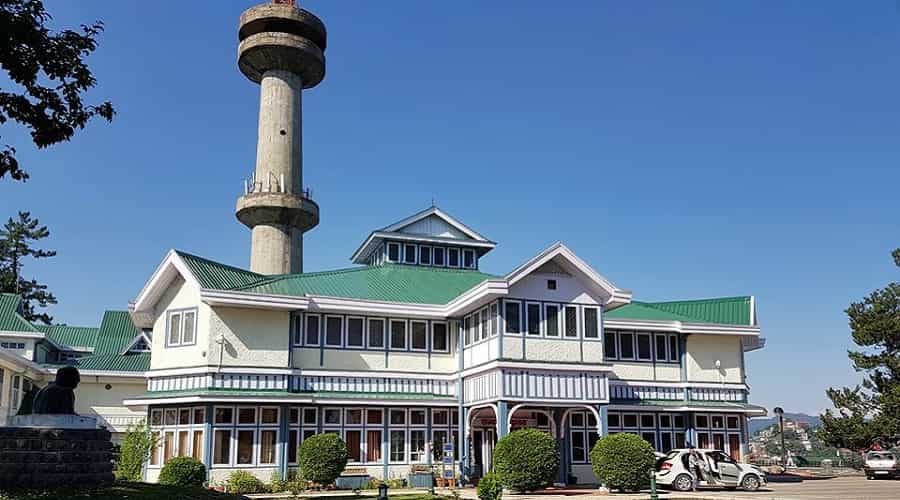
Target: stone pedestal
(33, 457)
(53, 421)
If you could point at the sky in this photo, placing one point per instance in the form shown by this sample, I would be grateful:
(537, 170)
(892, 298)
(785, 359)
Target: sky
(683, 149)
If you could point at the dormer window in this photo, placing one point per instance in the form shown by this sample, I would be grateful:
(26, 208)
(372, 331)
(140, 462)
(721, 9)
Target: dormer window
(393, 252)
(453, 257)
(469, 259)
(409, 254)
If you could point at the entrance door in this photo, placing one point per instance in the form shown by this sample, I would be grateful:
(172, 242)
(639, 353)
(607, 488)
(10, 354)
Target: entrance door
(718, 441)
(734, 447)
(477, 453)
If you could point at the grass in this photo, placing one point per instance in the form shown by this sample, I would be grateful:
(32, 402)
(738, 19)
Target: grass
(121, 491)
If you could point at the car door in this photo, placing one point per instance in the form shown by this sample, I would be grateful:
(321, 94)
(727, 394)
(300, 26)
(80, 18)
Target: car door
(729, 471)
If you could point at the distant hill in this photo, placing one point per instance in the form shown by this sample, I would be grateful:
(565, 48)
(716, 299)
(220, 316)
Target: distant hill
(758, 424)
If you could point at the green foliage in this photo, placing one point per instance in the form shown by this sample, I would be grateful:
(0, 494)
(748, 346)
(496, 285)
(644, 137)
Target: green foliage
(241, 481)
(293, 484)
(489, 488)
(120, 490)
(871, 412)
(16, 239)
(322, 458)
(50, 70)
(526, 459)
(134, 452)
(623, 461)
(183, 471)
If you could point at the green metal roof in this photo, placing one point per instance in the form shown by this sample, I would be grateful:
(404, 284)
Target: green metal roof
(70, 336)
(218, 276)
(130, 362)
(116, 332)
(299, 395)
(389, 282)
(10, 319)
(723, 311)
(679, 403)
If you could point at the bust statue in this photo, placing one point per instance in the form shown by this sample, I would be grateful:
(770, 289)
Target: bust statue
(58, 398)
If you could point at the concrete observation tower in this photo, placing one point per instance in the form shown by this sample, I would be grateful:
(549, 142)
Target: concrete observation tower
(282, 49)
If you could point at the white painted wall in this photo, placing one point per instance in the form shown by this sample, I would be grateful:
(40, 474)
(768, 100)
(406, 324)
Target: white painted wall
(552, 350)
(568, 289)
(704, 350)
(179, 295)
(252, 337)
(92, 398)
(434, 226)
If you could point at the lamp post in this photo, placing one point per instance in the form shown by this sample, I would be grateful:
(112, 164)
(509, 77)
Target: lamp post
(780, 412)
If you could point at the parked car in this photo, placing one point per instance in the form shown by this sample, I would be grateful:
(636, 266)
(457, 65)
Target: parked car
(881, 464)
(717, 469)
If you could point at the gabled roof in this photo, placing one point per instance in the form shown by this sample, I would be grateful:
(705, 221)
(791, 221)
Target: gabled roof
(720, 311)
(116, 332)
(10, 319)
(218, 276)
(71, 337)
(440, 214)
(389, 282)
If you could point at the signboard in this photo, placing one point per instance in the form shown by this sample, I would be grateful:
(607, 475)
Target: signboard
(448, 473)
(448, 447)
(448, 460)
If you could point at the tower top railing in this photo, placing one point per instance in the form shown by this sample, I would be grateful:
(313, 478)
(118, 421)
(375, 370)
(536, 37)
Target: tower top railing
(272, 183)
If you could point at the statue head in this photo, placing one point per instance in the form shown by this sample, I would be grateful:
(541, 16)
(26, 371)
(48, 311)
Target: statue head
(68, 377)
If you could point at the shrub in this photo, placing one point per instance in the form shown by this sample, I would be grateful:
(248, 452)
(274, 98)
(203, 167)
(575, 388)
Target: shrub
(183, 471)
(134, 452)
(526, 459)
(623, 461)
(489, 488)
(322, 458)
(241, 481)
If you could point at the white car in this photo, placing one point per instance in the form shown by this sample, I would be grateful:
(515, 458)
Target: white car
(716, 469)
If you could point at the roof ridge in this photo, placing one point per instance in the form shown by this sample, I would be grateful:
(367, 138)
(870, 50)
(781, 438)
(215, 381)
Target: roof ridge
(710, 299)
(348, 270)
(679, 314)
(182, 253)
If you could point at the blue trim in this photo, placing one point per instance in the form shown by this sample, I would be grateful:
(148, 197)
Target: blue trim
(208, 439)
(284, 433)
(604, 420)
(385, 439)
(502, 418)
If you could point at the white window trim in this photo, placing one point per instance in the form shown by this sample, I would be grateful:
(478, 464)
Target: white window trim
(182, 314)
(365, 325)
(405, 431)
(540, 332)
(427, 343)
(446, 334)
(584, 310)
(384, 341)
(486, 323)
(305, 330)
(258, 444)
(387, 253)
(433, 261)
(565, 321)
(390, 339)
(298, 323)
(237, 418)
(362, 418)
(559, 325)
(637, 351)
(269, 407)
(424, 431)
(633, 345)
(458, 258)
(340, 422)
(518, 303)
(462, 260)
(254, 460)
(325, 330)
(494, 309)
(430, 255)
(415, 258)
(674, 340)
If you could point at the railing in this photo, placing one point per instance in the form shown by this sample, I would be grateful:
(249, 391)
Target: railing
(271, 184)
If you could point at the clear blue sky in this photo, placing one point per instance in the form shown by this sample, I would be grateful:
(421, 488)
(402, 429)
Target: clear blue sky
(684, 149)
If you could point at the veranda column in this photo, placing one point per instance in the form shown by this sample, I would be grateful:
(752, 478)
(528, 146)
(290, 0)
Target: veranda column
(208, 439)
(283, 438)
(502, 419)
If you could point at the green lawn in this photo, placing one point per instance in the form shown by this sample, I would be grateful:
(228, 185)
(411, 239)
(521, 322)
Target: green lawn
(122, 491)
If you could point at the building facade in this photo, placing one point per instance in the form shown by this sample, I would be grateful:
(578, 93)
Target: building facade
(417, 345)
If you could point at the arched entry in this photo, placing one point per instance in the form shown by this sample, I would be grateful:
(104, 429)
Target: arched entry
(483, 426)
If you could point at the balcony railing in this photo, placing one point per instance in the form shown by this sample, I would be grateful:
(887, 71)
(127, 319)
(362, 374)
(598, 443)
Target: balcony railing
(272, 183)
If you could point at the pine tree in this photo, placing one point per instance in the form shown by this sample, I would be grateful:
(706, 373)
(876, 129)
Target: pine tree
(16, 244)
(871, 412)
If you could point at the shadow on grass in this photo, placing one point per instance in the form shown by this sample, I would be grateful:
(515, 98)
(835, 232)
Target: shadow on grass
(121, 491)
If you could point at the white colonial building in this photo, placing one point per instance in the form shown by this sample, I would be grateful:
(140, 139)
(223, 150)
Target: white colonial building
(417, 345)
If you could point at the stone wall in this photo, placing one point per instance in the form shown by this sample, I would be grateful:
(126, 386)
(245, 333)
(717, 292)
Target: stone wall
(47, 458)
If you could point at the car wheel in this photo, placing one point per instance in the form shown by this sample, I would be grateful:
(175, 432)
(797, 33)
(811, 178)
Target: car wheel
(683, 482)
(750, 483)
(870, 478)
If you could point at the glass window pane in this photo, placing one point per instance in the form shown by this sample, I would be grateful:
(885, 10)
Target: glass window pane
(269, 415)
(629, 420)
(175, 329)
(309, 416)
(578, 449)
(354, 445)
(643, 342)
(373, 416)
(485, 325)
(376, 333)
(468, 259)
(171, 416)
(591, 325)
(648, 421)
(678, 420)
(354, 332)
(168, 446)
(334, 326)
(312, 330)
(398, 335)
(419, 333)
(188, 335)
(417, 445)
(438, 256)
(609, 345)
(184, 446)
(245, 447)
(246, 415)
(453, 257)
(199, 415)
(353, 417)
(293, 438)
(439, 417)
(332, 416)
(552, 320)
(267, 443)
(613, 420)
(425, 256)
(571, 321)
(373, 445)
(702, 421)
(534, 319)
(398, 446)
(662, 353)
(626, 345)
(511, 314)
(673, 348)
(393, 252)
(398, 417)
(156, 417)
(197, 446)
(224, 415)
(184, 416)
(221, 446)
(409, 254)
(439, 337)
(416, 417)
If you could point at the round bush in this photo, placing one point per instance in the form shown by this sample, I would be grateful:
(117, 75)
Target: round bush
(489, 488)
(322, 458)
(183, 471)
(623, 461)
(526, 459)
(241, 481)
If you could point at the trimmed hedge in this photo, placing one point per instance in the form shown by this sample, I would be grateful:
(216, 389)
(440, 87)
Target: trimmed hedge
(322, 458)
(183, 471)
(489, 488)
(623, 461)
(526, 459)
(243, 482)
(134, 452)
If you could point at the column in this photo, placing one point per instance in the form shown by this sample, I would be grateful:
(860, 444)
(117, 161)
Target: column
(208, 439)
(691, 433)
(502, 419)
(603, 425)
(561, 442)
(385, 439)
(284, 433)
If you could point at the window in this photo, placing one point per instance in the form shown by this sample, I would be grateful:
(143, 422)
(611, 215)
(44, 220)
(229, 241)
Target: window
(269, 415)
(224, 415)
(156, 417)
(662, 353)
(184, 416)
(665, 421)
(268, 438)
(171, 416)
(293, 442)
(511, 313)
(485, 324)
(626, 345)
(591, 323)
(398, 446)
(439, 417)
(409, 254)
(609, 345)
(702, 421)
(534, 319)
(718, 422)
(221, 447)
(678, 421)
(417, 445)
(649, 437)
(197, 448)
(334, 330)
(297, 325)
(648, 420)
(425, 255)
(673, 348)
(551, 317)
(439, 337)
(453, 257)
(373, 445)
(571, 318)
(398, 417)
(354, 332)
(376, 333)
(182, 328)
(438, 256)
(353, 417)
(495, 319)
(643, 347)
(733, 423)
(665, 441)
(398, 334)
(310, 416)
(468, 259)
(613, 420)
(629, 420)
(246, 416)
(332, 416)
(578, 449)
(419, 335)
(551, 284)
(183, 443)
(374, 417)
(312, 330)
(393, 252)
(353, 438)
(168, 446)
(245, 446)
(467, 328)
